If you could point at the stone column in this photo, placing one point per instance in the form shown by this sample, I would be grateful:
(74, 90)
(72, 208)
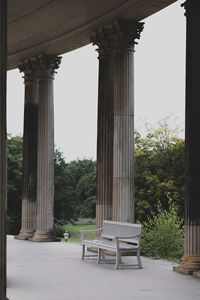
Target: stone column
(115, 147)
(3, 158)
(30, 149)
(105, 127)
(191, 260)
(47, 65)
(123, 166)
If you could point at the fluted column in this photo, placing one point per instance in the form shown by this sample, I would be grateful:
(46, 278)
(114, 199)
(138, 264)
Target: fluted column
(123, 168)
(115, 144)
(45, 172)
(3, 158)
(29, 68)
(123, 150)
(104, 188)
(191, 260)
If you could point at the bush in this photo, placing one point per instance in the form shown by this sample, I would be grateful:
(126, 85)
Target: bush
(59, 230)
(163, 234)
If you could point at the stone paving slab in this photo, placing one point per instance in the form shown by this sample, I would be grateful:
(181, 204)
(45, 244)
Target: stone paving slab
(55, 271)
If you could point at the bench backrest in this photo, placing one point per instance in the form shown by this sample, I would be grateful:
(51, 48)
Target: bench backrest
(111, 229)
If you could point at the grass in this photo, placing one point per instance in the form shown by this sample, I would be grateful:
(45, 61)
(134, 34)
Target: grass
(74, 230)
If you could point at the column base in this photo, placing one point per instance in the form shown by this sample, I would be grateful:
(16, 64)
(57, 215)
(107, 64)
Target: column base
(44, 236)
(196, 274)
(189, 265)
(24, 235)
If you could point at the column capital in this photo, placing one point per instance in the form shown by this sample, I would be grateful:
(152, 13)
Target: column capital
(120, 35)
(47, 64)
(29, 68)
(40, 65)
(192, 7)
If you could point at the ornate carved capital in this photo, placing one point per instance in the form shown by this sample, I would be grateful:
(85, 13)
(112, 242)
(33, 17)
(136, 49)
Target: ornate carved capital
(43, 64)
(48, 63)
(122, 34)
(27, 67)
(192, 7)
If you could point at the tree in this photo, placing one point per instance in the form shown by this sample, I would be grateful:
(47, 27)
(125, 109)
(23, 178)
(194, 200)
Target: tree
(65, 194)
(86, 195)
(159, 171)
(74, 188)
(15, 178)
(69, 203)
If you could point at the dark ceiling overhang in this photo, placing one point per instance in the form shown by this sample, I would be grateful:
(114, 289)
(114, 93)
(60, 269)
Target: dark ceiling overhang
(59, 26)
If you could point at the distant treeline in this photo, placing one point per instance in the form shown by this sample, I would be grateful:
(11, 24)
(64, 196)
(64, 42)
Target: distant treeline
(159, 174)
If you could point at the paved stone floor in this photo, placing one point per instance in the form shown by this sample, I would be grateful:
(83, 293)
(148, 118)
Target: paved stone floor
(55, 271)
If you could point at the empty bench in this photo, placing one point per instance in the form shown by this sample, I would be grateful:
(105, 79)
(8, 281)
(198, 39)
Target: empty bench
(117, 237)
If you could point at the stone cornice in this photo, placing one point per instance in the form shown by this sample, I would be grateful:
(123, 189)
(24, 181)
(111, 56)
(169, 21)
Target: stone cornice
(122, 34)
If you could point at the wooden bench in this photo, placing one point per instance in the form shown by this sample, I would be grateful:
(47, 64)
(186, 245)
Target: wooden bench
(120, 238)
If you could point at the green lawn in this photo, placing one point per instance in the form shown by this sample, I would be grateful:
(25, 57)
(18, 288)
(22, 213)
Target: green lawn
(74, 230)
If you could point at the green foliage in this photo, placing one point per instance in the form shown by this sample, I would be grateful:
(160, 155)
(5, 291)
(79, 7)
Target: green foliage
(86, 194)
(59, 230)
(75, 188)
(85, 221)
(159, 170)
(65, 195)
(15, 180)
(74, 231)
(163, 233)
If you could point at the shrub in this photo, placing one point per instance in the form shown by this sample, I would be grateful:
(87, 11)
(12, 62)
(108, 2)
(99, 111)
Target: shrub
(163, 234)
(59, 230)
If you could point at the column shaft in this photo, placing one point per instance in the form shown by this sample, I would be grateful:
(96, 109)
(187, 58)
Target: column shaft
(29, 153)
(45, 162)
(3, 157)
(45, 188)
(123, 151)
(115, 146)
(191, 259)
(105, 141)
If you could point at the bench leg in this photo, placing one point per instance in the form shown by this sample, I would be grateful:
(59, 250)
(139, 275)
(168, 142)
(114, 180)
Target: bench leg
(118, 260)
(139, 260)
(83, 252)
(99, 256)
(103, 254)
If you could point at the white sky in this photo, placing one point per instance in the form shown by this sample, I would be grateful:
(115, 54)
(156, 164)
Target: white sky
(159, 86)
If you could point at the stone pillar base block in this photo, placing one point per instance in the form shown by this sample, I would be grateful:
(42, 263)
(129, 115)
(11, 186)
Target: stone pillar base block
(189, 265)
(185, 271)
(23, 238)
(196, 274)
(44, 236)
(24, 235)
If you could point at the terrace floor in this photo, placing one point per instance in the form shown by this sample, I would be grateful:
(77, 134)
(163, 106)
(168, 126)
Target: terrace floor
(55, 271)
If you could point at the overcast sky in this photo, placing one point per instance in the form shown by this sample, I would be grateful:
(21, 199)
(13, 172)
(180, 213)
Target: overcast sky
(159, 86)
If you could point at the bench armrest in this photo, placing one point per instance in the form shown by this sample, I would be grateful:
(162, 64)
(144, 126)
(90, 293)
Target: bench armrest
(84, 231)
